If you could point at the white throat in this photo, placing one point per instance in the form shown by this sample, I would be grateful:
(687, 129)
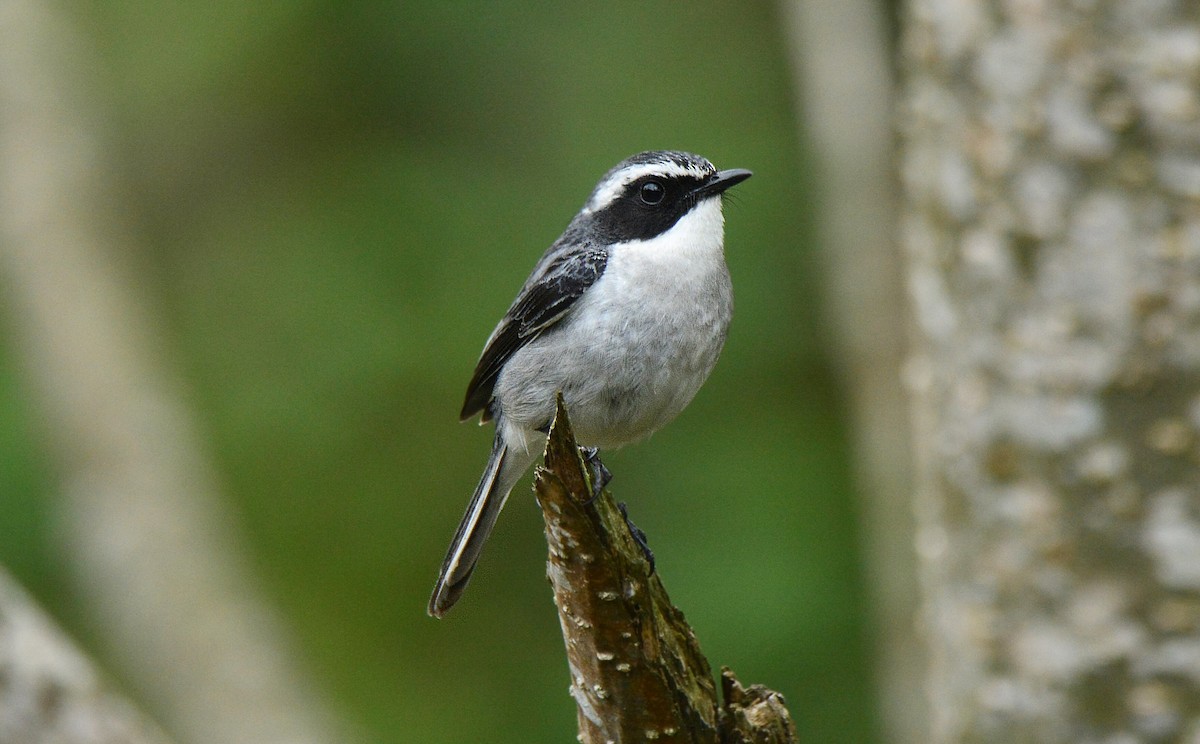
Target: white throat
(692, 244)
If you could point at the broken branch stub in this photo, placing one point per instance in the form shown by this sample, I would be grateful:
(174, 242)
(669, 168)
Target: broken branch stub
(637, 672)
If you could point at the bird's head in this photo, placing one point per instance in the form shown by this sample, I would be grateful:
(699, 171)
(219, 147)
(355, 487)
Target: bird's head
(646, 195)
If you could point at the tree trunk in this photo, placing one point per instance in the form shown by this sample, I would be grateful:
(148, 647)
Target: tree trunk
(1051, 169)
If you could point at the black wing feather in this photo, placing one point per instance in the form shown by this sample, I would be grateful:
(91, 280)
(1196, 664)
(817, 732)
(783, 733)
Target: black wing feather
(548, 295)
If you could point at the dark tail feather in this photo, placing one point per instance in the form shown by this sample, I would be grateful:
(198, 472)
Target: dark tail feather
(476, 525)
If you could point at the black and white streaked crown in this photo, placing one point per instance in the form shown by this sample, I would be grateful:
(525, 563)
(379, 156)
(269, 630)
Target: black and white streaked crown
(668, 164)
(647, 194)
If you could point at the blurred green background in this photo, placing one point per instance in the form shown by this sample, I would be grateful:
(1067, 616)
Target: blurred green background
(335, 202)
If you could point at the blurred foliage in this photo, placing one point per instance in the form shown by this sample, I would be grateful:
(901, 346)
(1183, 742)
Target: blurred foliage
(335, 202)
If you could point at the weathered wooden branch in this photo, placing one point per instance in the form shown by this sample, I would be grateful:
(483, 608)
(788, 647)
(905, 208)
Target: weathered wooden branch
(637, 672)
(49, 691)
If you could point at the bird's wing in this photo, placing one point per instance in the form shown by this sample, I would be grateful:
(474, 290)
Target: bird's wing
(557, 282)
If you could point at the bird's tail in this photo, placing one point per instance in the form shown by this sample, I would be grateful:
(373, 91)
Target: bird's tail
(504, 468)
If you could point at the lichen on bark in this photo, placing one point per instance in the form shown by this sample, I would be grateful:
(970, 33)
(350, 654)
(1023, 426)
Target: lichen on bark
(1051, 171)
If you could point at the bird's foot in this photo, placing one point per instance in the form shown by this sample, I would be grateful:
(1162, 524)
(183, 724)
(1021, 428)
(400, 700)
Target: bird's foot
(600, 475)
(639, 536)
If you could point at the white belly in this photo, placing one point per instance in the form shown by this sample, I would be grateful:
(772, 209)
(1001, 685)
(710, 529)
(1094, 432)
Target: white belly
(633, 351)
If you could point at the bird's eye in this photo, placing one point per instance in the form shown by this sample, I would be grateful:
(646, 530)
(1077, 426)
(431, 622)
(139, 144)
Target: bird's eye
(652, 192)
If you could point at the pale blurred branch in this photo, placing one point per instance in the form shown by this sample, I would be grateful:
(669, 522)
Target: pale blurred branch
(154, 548)
(844, 85)
(51, 693)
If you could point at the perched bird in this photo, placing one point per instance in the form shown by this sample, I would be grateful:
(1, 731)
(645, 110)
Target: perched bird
(625, 314)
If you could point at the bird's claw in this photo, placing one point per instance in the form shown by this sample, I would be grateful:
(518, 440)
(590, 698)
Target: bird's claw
(639, 536)
(600, 475)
